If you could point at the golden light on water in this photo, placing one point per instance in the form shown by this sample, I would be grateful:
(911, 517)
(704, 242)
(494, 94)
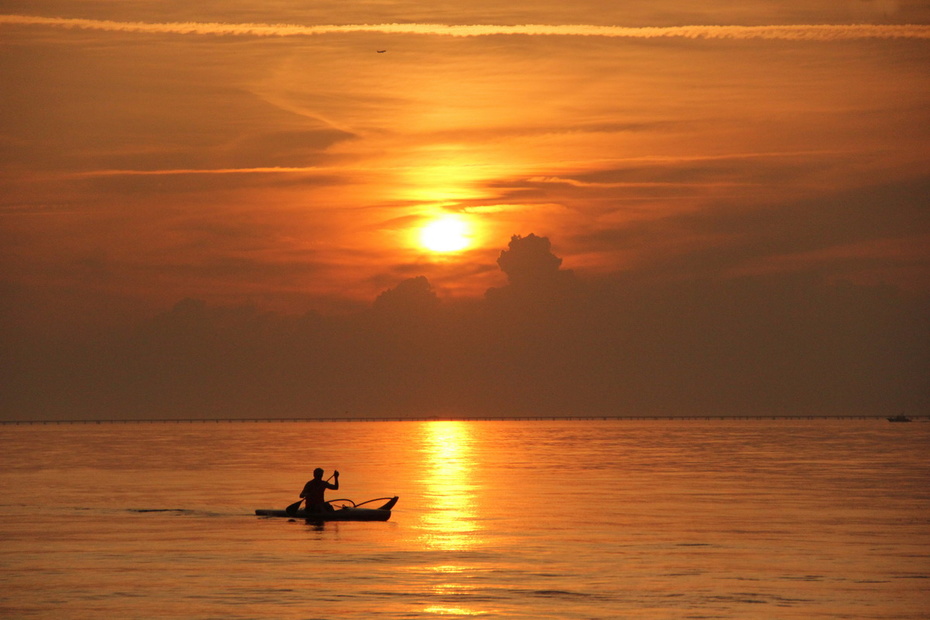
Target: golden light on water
(443, 610)
(449, 520)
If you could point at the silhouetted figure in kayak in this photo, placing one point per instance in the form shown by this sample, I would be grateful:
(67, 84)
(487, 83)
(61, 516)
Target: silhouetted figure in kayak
(314, 490)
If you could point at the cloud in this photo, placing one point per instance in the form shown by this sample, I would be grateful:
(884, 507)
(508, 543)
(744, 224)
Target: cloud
(761, 344)
(792, 32)
(409, 298)
(867, 234)
(204, 171)
(529, 260)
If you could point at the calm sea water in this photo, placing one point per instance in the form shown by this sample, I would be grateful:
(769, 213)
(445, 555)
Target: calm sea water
(497, 519)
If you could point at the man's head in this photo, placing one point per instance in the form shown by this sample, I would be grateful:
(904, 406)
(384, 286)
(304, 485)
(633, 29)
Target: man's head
(318, 473)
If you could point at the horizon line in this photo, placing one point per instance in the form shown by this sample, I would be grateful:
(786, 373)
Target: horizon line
(786, 32)
(452, 419)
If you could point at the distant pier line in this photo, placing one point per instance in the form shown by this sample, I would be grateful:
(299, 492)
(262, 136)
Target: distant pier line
(443, 419)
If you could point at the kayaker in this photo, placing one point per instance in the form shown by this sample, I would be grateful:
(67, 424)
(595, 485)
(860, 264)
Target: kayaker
(314, 490)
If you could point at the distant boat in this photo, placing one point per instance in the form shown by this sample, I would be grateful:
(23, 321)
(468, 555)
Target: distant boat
(899, 418)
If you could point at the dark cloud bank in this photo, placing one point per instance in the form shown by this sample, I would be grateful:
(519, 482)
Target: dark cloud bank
(546, 344)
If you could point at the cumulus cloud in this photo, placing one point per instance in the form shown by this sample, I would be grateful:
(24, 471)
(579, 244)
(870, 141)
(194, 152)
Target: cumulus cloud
(529, 260)
(776, 343)
(410, 298)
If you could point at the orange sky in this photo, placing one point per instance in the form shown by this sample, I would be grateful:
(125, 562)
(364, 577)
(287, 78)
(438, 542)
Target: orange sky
(239, 153)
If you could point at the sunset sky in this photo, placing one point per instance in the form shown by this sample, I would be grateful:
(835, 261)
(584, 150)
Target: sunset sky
(296, 159)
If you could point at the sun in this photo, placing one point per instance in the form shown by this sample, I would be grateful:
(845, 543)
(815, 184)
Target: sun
(447, 233)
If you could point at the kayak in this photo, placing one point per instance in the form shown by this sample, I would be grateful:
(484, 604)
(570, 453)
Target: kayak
(344, 513)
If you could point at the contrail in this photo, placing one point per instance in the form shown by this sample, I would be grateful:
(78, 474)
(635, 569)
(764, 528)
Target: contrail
(796, 32)
(203, 171)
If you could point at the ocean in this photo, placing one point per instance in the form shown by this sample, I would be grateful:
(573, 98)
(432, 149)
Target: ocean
(535, 519)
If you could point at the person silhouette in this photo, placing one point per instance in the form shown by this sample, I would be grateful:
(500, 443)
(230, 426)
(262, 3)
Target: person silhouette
(315, 489)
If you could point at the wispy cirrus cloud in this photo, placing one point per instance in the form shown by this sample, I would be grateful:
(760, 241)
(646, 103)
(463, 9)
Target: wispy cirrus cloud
(791, 32)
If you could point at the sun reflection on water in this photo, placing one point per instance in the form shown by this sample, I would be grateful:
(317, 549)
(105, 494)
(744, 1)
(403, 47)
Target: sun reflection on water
(442, 610)
(449, 519)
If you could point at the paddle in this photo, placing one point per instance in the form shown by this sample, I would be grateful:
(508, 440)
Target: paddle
(292, 509)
